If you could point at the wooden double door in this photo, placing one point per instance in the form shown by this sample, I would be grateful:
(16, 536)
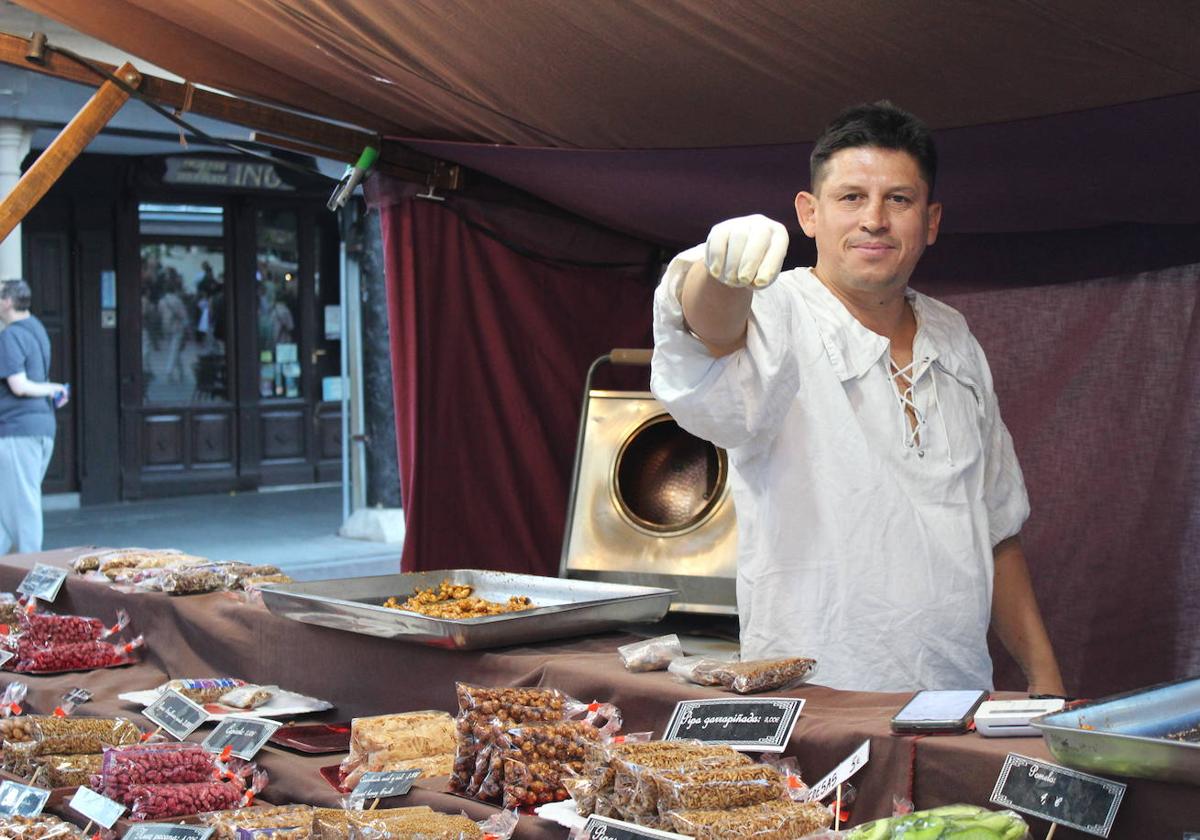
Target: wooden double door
(229, 344)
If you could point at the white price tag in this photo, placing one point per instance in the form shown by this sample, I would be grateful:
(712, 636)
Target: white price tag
(840, 774)
(99, 809)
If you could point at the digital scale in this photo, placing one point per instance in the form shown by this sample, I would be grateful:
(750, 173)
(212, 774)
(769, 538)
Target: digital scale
(1010, 718)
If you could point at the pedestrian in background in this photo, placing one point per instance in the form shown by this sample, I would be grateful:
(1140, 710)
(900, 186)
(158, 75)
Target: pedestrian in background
(27, 403)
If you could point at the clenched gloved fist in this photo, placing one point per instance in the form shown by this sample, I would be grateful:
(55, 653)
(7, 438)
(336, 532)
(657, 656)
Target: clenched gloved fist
(746, 251)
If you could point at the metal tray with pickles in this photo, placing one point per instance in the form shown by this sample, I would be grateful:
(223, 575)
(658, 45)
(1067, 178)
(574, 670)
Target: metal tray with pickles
(1152, 733)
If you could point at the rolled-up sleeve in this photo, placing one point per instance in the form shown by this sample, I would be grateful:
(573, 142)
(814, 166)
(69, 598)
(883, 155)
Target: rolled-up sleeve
(734, 400)
(1004, 485)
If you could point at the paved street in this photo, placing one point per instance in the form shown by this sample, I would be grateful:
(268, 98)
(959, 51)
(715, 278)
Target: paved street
(294, 529)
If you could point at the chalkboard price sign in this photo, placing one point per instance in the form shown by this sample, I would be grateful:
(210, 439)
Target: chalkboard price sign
(746, 724)
(384, 784)
(18, 800)
(1059, 794)
(176, 714)
(602, 828)
(43, 582)
(244, 736)
(167, 831)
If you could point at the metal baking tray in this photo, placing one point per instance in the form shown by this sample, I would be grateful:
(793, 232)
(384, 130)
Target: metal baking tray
(563, 607)
(1126, 734)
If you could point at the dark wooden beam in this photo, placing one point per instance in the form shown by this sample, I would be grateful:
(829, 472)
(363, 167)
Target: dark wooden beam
(14, 50)
(61, 153)
(272, 126)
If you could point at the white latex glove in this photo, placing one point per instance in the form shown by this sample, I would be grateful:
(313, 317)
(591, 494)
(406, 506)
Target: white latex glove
(746, 251)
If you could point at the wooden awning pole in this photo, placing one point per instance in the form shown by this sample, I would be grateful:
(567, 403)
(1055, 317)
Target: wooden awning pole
(67, 146)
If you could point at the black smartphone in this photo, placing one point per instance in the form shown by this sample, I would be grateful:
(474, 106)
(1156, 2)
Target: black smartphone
(939, 711)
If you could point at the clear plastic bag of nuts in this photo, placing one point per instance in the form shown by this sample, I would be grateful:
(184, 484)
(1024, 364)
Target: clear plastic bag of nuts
(65, 770)
(124, 768)
(776, 820)
(651, 654)
(750, 677)
(50, 735)
(196, 580)
(41, 827)
(529, 762)
(479, 706)
(226, 824)
(489, 733)
(634, 787)
(718, 787)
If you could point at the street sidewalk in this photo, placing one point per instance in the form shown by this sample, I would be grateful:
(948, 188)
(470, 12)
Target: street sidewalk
(293, 529)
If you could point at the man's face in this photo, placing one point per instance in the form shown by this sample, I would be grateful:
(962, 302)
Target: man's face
(871, 219)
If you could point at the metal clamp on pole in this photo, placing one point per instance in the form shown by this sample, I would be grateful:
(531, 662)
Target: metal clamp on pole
(352, 177)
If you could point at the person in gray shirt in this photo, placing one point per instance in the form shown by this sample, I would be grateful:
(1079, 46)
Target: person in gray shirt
(27, 403)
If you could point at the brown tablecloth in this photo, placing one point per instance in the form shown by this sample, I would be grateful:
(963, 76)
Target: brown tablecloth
(223, 634)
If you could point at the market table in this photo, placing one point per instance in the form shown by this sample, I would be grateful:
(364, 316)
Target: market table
(227, 634)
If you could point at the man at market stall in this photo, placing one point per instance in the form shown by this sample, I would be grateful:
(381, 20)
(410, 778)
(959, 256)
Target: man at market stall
(27, 422)
(878, 495)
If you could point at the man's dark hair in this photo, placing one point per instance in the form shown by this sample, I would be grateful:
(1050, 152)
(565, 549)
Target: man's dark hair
(18, 292)
(882, 125)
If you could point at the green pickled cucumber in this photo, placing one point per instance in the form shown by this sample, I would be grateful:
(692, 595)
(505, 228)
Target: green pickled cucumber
(923, 828)
(997, 822)
(878, 830)
(972, 833)
(1016, 831)
(956, 811)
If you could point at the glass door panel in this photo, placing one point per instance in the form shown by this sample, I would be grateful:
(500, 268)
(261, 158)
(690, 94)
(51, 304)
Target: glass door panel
(183, 322)
(277, 287)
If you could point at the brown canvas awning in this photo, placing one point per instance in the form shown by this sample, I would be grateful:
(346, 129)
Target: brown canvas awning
(655, 74)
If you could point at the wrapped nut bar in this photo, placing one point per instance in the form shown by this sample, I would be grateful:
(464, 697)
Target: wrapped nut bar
(393, 742)
(226, 824)
(248, 696)
(49, 735)
(336, 824)
(762, 674)
(719, 787)
(782, 820)
(41, 827)
(195, 580)
(412, 824)
(635, 790)
(624, 773)
(66, 770)
(202, 691)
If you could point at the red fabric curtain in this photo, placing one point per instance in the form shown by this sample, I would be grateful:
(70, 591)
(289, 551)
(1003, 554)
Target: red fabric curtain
(491, 343)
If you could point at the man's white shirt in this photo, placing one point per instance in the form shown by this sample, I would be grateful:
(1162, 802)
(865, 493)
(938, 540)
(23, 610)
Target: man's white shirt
(857, 545)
